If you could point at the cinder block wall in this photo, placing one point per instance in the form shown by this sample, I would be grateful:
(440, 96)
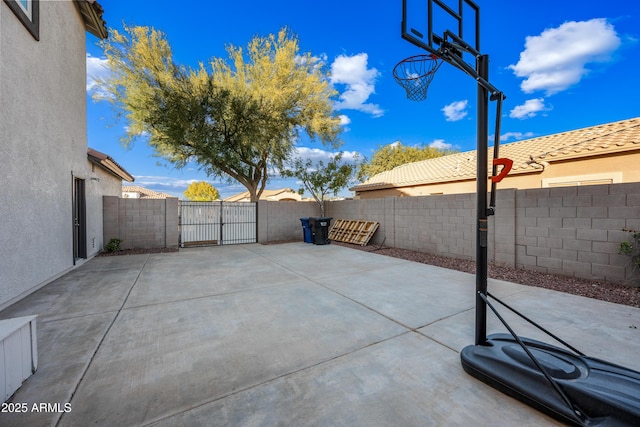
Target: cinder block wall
(433, 224)
(280, 221)
(141, 223)
(576, 231)
(502, 229)
(573, 231)
(379, 210)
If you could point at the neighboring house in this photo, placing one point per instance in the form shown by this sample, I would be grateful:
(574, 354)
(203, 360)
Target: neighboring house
(281, 195)
(52, 187)
(137, 192)
(603, 154)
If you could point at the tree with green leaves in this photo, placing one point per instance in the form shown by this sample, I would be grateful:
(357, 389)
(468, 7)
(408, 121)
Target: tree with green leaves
(320, 179)
(201, 191)
(237, 119)
(390, 156)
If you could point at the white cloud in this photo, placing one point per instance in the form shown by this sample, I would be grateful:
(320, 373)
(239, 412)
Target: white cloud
(436, 143)
(440, 145)
(144, 133)
(155, 182)
(353, 72)
(176, 186)
(529, 109)
(96, 69)
(344, 120)
(557, 58)
(315, 154)
(515, 135)
(395, 144)
(314, 61)
(455, 111)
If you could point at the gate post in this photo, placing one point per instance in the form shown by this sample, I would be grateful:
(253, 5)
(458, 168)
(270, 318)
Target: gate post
(221, 242)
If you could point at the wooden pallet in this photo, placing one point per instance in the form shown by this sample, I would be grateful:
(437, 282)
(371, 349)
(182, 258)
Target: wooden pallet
(353, 231)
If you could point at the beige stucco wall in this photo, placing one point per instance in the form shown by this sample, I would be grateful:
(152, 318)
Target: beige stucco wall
(44, 144)
(621, 168)
(99, 183)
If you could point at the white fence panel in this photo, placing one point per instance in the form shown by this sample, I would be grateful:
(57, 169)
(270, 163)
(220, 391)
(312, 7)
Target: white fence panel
(217, 223)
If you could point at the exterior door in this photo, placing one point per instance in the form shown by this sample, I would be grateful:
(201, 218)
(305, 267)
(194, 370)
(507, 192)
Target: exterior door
(79, 220)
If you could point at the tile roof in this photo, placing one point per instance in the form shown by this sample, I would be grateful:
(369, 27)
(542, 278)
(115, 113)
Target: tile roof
(529, 156)
(266, 195)
(145, 193)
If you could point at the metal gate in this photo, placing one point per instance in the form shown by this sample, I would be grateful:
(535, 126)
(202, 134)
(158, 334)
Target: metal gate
(217, 223)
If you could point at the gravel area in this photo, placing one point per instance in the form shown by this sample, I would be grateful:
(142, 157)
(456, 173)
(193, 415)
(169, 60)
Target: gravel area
(611, 292)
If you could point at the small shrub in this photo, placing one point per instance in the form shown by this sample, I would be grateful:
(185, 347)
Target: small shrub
(625, 248)
(113, 245)
(631, 248)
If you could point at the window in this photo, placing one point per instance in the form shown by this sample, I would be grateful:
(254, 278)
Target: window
(27, 7)
(28, 12)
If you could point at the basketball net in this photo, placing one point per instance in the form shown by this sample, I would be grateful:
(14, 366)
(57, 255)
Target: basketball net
(415, 73)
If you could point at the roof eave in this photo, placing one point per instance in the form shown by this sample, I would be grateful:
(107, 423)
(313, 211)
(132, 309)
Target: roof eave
(110, 165)
(91, 12)
(117, 170)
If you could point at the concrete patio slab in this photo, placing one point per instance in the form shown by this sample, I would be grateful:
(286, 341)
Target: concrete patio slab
(200, 281)
(291, 334)
(65, 349)
(135, 262)
(316, 262)
(186, 353)
(597, 328)
(405, 381)
(400, 293)
(81, 292)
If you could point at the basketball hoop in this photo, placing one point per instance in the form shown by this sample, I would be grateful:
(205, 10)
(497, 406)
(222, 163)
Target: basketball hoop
(415, 73)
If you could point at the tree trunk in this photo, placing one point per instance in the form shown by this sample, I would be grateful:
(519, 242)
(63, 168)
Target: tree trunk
(253, 192)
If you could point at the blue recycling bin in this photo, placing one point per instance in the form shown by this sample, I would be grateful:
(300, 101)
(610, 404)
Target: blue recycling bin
(306, 230)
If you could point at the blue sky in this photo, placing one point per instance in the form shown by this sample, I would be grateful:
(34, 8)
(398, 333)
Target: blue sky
(563, 65)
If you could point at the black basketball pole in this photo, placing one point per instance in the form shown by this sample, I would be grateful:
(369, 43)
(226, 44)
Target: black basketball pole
(482, 69)
(560, 381)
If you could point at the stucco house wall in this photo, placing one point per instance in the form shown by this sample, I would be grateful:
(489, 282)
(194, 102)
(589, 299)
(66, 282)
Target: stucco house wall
(44, 146)
(100, 183)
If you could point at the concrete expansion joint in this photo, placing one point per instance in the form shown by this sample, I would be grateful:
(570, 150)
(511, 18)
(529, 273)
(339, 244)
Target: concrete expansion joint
(205, 296)
(102, 339)
(270, 380)
(417, 329)
(409, 328)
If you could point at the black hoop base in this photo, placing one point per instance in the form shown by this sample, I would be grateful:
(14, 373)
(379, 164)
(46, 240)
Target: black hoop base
(601, 393)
